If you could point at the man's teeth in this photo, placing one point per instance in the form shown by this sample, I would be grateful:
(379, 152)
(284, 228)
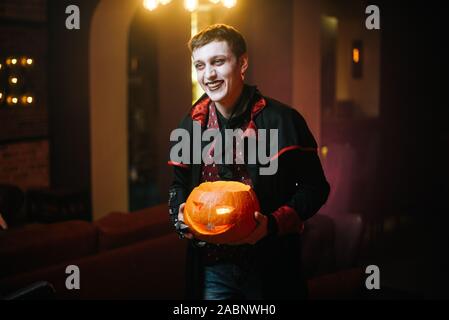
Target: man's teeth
(214, 85)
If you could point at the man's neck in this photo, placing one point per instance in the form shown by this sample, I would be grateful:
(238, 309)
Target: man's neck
(227, 108)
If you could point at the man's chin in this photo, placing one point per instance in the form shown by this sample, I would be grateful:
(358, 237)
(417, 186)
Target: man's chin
(217, 98)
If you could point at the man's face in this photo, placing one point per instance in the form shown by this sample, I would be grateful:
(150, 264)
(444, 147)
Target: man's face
(219, 72)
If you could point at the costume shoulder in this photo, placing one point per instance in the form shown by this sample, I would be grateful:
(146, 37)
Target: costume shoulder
(186, 123)
(292, 128)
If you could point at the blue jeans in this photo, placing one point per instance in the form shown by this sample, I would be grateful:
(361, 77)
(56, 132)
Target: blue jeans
(229, 282)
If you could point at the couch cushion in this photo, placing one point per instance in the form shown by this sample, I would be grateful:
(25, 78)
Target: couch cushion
(120, 228)
(150, 269)
(38, 245)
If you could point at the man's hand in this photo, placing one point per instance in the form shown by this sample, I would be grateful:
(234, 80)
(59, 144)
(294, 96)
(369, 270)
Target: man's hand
(188, 235)
(259, 232)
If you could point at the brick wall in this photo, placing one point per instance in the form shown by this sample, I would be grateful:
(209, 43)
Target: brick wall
(24, 146)
(29, 10)
(25, 164)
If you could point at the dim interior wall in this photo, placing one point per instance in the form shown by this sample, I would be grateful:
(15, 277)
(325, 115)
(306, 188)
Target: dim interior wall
(68, 73)
(268, 36)
(364, 92)
(175, 85)
(270, 47)
(306, 63)
(108, 96)
(108, 105)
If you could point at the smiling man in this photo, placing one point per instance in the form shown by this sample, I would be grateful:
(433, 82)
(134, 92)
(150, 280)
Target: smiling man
(267, 263)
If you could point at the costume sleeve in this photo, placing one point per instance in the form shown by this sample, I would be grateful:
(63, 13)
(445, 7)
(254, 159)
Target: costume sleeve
(179, 188)
(302, 171)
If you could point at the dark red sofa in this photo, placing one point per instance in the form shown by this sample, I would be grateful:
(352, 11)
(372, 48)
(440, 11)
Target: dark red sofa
(138, 256)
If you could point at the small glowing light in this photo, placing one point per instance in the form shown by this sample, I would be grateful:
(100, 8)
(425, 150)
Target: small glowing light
(11, 61)
(355, 55)
(27, 99)
(11, 100)
(1, 96)
(224, 210)
(26, 61)
(324, 151)
(215, 1)
(229, 3)
(0, 66)
(191, 5)
(164, 2)
(14, 80)
(150, 4)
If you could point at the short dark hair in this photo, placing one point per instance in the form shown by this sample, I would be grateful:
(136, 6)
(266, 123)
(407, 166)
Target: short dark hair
(219, 32)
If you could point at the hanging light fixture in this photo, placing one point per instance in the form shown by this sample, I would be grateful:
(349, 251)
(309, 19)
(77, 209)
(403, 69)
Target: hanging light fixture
(229, 3)
(189, 5)
(150, 4)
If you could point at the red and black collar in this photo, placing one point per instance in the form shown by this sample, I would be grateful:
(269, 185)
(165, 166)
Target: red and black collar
(200, 109)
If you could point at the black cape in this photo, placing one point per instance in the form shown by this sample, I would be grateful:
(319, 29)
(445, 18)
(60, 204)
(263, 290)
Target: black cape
(298, 183)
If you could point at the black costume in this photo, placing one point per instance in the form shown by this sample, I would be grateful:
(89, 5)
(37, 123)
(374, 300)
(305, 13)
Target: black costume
(289, 197)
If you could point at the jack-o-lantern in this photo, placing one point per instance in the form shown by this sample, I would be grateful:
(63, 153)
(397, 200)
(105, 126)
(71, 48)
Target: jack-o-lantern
(221, 212)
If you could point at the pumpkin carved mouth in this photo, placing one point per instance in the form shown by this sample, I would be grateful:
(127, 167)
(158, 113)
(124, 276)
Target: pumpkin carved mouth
(221, 211)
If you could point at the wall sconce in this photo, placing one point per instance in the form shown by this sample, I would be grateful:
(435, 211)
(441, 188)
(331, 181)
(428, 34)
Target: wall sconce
(26, 62)
(324, 151)
(27, 100)
(13, 80)
(15, 86)
(12, 100)
(11, 61)
(357, 59)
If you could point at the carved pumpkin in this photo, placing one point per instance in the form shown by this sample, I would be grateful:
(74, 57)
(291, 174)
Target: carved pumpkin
(221, 212)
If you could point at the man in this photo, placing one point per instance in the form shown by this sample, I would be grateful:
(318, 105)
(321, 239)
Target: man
(267, 263)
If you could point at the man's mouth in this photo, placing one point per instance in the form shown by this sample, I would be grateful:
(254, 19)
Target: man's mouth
(214, 85)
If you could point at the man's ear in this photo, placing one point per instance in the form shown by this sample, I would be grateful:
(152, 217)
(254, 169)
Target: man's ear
(243, 63)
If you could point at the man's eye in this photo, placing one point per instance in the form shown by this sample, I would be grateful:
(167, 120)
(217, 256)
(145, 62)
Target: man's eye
(198, 66)
(219, 62)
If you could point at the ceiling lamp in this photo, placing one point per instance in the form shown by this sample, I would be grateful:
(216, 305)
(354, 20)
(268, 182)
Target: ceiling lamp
(189, 5)
(229, 3)
(150, 4)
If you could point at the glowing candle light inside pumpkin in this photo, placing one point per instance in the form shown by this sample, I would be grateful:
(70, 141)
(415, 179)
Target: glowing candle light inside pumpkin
(223, 210)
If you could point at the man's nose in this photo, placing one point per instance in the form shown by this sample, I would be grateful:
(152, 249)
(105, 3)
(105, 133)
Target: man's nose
(210, 72)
